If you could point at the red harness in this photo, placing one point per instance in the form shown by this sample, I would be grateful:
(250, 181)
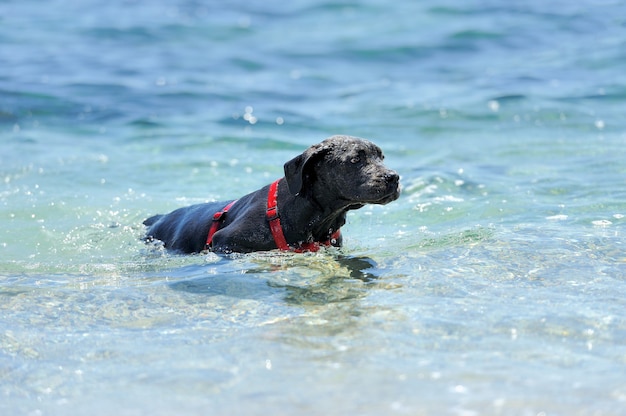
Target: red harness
(218, 217)
(277, 230)
(274, 221)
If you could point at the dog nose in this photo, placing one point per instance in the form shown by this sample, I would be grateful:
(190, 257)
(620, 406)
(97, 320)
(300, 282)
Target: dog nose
(392, 176)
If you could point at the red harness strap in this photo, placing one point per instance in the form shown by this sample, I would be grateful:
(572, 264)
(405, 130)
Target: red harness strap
(277, 230)
(218, 217)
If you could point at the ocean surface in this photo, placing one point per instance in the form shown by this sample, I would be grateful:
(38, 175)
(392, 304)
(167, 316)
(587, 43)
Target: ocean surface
(495, 285)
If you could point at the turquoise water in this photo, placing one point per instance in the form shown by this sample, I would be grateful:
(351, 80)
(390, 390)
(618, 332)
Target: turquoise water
(496, 284)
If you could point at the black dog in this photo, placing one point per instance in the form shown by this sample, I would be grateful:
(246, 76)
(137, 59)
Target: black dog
(299, 212)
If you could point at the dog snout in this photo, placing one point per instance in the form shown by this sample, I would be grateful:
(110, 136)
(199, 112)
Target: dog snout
(391, 177)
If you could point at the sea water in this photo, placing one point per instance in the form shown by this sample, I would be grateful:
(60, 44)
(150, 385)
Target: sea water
(495, 285)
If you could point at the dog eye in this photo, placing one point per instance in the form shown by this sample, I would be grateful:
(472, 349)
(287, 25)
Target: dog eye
(355, 159)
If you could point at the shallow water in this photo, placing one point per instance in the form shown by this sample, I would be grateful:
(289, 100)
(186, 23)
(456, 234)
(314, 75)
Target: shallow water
(496, 284)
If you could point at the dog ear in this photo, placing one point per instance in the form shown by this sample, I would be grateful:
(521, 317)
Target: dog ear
(296, 168)
(293, 174)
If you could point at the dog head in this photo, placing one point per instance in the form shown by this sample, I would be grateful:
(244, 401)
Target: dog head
(346, 168)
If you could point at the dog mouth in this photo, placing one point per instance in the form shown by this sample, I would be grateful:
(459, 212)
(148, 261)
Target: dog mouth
(380, 190)
(389, 194)
(389, 198)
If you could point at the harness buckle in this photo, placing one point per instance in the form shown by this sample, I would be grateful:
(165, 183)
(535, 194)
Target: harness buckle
(272, 214)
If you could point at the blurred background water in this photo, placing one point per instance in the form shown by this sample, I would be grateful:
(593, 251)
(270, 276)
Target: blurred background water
(496, 284)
